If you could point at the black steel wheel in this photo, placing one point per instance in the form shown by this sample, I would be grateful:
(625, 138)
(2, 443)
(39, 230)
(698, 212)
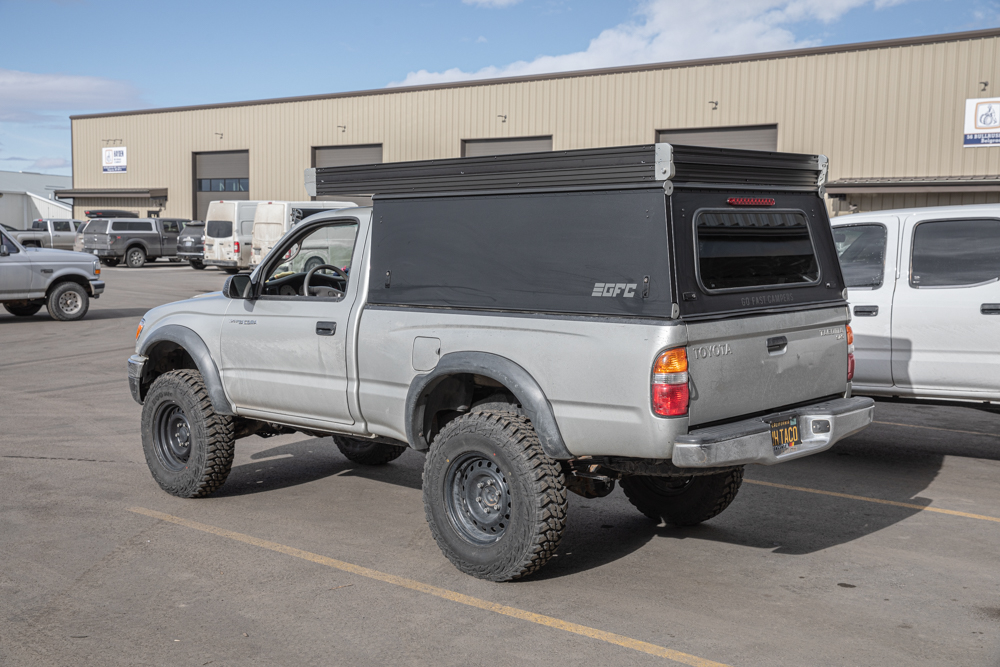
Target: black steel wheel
(368, 453)
(478, 498)
(682, 501)
(188, 446)
(495, 503)
(172, 436)
(135, 257)
(67, 302)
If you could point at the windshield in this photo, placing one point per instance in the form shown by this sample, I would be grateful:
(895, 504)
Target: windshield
(219, 229)
(741, 249)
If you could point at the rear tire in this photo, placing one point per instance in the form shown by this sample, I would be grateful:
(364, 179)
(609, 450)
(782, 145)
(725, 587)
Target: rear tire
(68, 302)
(110, 261)
(23, 309)
(135, 258)
(196, 264)
(682, 501)
(495, 503)
(189, 448)
(231, 270)
(368, 453)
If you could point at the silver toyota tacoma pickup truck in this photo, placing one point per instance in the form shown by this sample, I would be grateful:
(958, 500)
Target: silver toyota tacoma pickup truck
(61, 280)
(656, 316)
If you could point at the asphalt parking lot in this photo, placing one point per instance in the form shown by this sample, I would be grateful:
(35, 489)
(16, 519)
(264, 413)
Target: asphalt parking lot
(883, 551)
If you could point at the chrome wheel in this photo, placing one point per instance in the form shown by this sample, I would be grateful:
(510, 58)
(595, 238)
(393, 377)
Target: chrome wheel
(172, 436)
(477, 498)
(70, 302)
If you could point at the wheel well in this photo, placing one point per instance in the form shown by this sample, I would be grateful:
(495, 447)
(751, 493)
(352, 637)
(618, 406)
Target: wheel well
(451, 396)
(70, 278)
(164, 357)
(135, 244)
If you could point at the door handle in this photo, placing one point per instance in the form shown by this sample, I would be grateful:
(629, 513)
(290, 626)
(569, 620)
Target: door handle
(990, 309)
(865, 311)
(326, 328)
(777, 345)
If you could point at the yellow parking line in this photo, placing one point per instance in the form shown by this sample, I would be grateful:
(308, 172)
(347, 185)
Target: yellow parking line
(880, 501)
(938, 428)
(531, 617)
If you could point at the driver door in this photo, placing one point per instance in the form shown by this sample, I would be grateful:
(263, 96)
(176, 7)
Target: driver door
(284, 354)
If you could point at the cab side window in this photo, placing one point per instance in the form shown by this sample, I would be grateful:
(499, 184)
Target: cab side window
(326, 246)
(861, 251)
(170, 227)
(61, 226)
(955, 253)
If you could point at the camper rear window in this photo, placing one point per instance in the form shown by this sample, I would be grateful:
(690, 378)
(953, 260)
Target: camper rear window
(754, 249)
(219, 229)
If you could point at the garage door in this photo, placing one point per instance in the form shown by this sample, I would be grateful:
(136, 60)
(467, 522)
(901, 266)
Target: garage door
(222, 175)
(344, 156)
(479, 147)
(751, 137)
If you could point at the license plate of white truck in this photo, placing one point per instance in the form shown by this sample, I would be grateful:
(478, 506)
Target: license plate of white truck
(785, 434)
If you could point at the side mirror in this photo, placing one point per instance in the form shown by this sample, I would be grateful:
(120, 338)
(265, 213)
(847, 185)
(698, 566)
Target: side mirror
(237, 287)
(4, 252)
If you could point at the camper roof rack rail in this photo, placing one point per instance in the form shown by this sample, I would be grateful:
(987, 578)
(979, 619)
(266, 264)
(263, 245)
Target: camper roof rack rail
(650, 165)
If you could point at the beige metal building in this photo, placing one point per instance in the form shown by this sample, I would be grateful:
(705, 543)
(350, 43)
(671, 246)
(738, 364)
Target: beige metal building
(889, 115)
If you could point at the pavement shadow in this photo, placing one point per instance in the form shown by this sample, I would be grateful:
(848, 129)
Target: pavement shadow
(97, 314)
(309, 460)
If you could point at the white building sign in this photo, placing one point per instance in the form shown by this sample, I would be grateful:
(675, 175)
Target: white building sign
(113, 159)
(982, 122)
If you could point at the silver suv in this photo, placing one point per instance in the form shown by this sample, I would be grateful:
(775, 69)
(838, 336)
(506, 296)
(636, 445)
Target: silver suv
(654, 316)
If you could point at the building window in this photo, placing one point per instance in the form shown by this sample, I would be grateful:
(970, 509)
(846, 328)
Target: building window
(223, 185)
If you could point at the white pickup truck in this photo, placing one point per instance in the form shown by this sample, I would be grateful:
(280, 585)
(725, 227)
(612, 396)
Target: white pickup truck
(924, 289)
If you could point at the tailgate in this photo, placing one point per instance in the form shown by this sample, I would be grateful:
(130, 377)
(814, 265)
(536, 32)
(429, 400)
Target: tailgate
(758, 364)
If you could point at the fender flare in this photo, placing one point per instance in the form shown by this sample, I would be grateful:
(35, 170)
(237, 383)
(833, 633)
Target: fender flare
(194, 346)
(519, 381)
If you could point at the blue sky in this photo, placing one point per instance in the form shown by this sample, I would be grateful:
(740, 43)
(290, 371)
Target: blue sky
(62, 57)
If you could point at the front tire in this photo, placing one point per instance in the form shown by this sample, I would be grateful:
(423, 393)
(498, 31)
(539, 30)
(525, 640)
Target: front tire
(189, 448)
(135, 258)
(682, 501)
(110, 261)
(368, 453)
(68, 302)
(495, 503)
(23, 308)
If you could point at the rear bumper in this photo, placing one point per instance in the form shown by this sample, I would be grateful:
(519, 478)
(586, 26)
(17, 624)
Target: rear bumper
(231, 263)
(135, 364)
(101, 252)
(749, 441)
(190, 254)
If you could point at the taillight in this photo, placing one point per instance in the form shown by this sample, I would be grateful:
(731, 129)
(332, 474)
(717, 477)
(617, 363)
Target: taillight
(236, 247)
(670, 383)
(850, 353)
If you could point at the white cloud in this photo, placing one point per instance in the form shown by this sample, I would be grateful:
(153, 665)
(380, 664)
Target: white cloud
(666, 30)
(28, 97)
(491, 3)
(481, 40)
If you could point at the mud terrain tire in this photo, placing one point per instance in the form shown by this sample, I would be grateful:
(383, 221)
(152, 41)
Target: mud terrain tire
(188, 447)
(495, 503)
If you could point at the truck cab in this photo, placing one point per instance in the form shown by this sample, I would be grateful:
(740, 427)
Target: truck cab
(916, 279)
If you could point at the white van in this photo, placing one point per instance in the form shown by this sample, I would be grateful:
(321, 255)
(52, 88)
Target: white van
(228, 234)
(273, 219)
(924, 289)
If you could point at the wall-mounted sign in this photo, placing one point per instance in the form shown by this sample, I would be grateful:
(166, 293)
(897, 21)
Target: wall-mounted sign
(982, 122)
(113, 159)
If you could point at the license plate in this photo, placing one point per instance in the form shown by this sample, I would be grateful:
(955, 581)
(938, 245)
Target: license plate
(785, 435)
